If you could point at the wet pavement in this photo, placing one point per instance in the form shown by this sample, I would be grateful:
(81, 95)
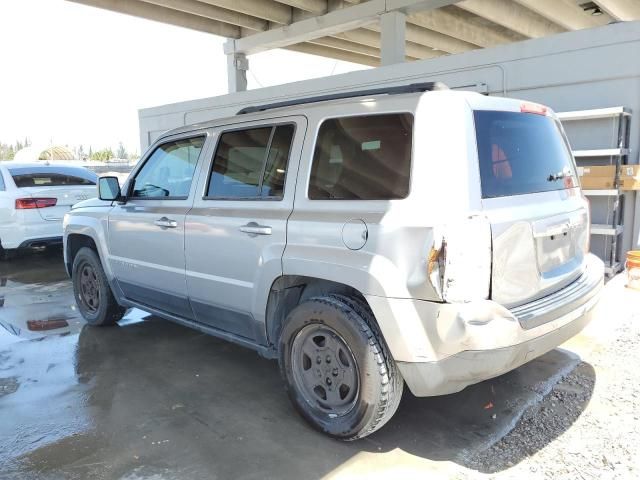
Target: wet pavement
(149, 399)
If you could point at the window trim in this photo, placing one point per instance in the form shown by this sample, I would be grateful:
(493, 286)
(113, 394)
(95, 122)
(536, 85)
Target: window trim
(273, 127)
(357, 115)
(159, 143)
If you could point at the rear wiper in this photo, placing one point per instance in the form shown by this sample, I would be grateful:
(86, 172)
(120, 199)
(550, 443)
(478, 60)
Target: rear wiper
(559, 176)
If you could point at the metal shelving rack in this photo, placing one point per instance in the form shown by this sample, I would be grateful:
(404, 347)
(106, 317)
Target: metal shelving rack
(617, 156)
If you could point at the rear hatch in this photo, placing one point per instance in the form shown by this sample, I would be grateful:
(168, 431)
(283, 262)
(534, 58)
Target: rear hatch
(67, 185)
(539, 217)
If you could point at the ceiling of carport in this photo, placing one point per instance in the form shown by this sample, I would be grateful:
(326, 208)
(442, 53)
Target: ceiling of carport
(454, 27)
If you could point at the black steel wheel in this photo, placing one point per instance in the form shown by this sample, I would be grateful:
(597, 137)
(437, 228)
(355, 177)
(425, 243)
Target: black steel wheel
(93, 294)
(337, 369)
(89, 294)
(324, 369)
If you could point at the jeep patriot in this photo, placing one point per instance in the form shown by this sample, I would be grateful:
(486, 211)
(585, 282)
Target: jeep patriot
(366, 240)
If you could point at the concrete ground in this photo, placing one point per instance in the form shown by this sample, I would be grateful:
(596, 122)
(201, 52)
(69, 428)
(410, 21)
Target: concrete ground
(152, 400)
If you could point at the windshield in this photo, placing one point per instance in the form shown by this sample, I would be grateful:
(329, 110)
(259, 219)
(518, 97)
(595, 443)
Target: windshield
(521, 153)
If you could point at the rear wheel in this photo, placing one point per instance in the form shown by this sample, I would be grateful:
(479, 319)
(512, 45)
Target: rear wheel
(338, 372)
(92, 291)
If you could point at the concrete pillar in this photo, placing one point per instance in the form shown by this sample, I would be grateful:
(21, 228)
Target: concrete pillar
(237, 66)
(392, 37)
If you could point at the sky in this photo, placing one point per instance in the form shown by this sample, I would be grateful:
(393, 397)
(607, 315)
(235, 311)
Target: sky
(72, 74)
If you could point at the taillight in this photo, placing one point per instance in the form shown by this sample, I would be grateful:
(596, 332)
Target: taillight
(29, 203)
(459, 261)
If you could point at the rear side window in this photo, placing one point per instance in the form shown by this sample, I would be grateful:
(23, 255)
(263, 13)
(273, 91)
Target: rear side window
(25, 177)
(2, 187)
(362, 158)
(521, 153)
(251, 163)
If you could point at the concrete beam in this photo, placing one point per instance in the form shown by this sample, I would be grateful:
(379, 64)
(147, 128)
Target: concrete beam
(347, 46)
(318, 7)
(392, 37)
(513, 16)
(566, 14)
(372, 39)
(212, 12)
(336, 21)
(458, 26)
(165, 15)
(336, 54)
(625, 10)
(432, 39)
(266, 9)
(237, 66)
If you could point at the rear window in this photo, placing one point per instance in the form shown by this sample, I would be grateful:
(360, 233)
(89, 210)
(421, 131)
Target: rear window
(29, 177)
(362, 158)
(521, 153)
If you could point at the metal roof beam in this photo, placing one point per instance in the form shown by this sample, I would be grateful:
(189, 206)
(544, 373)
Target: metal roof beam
(513, 16)
(621, 9)
(567, 14)
(169, 16)
(329, 24)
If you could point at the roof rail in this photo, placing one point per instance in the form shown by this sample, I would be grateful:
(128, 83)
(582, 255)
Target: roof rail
(394, 90)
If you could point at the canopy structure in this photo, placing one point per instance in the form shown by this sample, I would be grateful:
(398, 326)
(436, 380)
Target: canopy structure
(372, 32)
(33, 153)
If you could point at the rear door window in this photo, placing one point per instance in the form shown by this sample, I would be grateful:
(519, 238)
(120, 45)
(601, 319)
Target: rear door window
(521, 153)
(362, 158)
(25, 177)
(251, 163)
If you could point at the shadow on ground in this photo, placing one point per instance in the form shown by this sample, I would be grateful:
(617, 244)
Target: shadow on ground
(152, 398)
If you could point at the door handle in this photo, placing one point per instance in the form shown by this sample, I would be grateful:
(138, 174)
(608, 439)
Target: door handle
(164, 222)
(253, 229)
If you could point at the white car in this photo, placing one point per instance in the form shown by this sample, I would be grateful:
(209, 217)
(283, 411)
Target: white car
(33, 200)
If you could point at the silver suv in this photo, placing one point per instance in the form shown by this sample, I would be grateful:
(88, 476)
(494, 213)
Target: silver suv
(409, 235)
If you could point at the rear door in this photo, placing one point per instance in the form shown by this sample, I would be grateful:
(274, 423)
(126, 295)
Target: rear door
(539, 217)
(146, 234)
(67, 185)
(237, 230)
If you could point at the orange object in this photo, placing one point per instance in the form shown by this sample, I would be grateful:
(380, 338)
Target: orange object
(632, 266)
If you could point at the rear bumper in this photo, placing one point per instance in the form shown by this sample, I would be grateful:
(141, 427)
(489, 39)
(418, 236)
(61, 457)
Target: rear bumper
(467, 343)
(30, 232)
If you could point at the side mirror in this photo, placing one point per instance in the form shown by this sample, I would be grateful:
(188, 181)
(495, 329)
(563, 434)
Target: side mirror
(109, 189)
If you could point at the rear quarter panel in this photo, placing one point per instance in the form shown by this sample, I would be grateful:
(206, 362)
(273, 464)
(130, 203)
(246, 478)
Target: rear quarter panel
(444, 186)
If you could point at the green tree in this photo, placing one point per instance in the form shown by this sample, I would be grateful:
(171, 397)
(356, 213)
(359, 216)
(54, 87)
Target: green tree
(102, 155)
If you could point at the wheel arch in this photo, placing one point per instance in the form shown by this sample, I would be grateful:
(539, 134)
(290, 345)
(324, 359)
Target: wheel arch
(288, 291)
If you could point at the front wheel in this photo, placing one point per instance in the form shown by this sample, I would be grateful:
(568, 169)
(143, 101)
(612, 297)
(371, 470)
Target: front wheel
(92, 291)
(337, 370)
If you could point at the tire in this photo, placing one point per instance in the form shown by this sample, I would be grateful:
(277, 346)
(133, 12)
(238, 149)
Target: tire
(341, 333)
(92, 292)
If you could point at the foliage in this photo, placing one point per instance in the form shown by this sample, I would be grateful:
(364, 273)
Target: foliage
(101, 155)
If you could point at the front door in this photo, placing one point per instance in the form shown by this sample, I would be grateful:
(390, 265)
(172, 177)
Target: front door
(236, 232)
(146, 234)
